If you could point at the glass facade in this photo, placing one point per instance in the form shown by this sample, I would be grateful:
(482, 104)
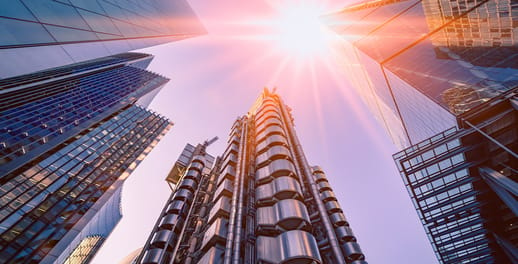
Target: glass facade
(40, 205)
(48, 33)
(259, 202)
(442, 77)
(461, 184)
(438, 59)
(39, 111)
(69, 138)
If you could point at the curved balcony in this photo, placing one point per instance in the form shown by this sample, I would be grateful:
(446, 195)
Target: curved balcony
(199, 158)
(327, 196)
(324, 186)
(184, 195)
(338, 219)
(193, 174)
(352, 251)
(189, 184)
(332, 207)
(267, 115)
(319, 177)
(265, 108)
(271, 141)
(170, 221)
(274, 152)
(197, 165)
(270, 121)
(345, 234)
(275, 169)
(152, 256)
(317, 169)
(294, 246)
(287, 214)
(268, 131)
(279, 189)
(162, 237)
(177, 207)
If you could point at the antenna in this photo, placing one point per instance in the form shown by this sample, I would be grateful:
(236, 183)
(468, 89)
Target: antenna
(208, 142)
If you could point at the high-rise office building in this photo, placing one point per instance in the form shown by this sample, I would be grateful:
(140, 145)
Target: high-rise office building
(69, 137)
(259, 202)
(42, 34)
(442, 77)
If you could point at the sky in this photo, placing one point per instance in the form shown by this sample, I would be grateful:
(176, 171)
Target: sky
(216, 77)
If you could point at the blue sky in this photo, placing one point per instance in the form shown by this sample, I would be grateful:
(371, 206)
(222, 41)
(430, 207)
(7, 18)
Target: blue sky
(216, 78)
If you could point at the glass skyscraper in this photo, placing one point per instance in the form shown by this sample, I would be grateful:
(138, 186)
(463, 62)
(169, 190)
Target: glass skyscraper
(42, 34)
(442, 77)
(69, 138)
(259, 202)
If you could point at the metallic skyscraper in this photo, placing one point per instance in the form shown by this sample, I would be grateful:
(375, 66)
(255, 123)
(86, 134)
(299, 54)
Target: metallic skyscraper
(442, 77)
(69, 137)
(38, 35)
(260, 202)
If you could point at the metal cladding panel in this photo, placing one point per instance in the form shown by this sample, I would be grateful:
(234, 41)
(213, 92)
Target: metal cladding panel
(338, 219)
(271, 140)
(332, 207)
(344, 233)
(290, 245)
(189, 184)
(169, 221)
(217, 232)
(274, 115)
(152, 256)
(184, 195)
(269, 122)
(274, 129)
(281, 188)
(273, 152)
(162, 237)
(352, 249)
(276, 168)
(212, 256)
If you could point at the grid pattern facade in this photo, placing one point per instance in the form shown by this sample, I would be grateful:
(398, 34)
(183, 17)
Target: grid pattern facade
(83, 252)
(439, 59)
(463, 212)
(260, 203)
(40, 205)
(39, 111)
(69, 138)
(60, 32)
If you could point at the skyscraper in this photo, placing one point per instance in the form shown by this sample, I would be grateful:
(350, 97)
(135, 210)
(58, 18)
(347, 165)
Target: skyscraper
(69, 138)
(259, 202)
(38, 35)
(442, 77)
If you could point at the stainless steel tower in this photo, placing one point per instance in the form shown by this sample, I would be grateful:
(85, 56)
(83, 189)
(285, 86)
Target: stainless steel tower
(260, 202)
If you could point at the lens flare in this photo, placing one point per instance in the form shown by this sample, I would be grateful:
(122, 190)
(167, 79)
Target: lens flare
(299, 31)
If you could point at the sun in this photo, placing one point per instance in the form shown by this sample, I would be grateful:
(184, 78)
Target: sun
(299, 31)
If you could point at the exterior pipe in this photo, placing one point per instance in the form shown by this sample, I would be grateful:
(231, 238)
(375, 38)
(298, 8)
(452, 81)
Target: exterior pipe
(237, 239)
(314, 191)
(228, 246)
(188, 215)
(203, 210)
